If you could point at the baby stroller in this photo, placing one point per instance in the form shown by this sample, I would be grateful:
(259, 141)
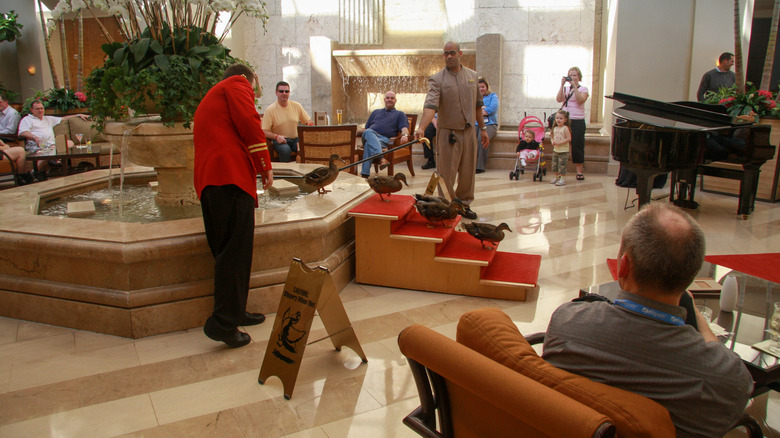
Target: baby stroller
(535, 125)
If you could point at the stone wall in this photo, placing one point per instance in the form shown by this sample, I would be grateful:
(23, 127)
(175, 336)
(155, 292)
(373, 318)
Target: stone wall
(540, 42)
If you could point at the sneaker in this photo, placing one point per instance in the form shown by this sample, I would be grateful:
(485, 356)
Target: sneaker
(554, 179)
(522, 162)
(560, 182)
(469, 214)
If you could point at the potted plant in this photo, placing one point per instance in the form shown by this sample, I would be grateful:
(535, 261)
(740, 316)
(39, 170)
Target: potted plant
(10, 30)
(65, 101)
(170, 58)
(759, 102)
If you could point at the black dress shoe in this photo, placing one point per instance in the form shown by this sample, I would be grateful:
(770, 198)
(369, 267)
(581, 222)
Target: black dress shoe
(252, 319)
(480, 171)
(234, 340)
(429, 165)
(468, 214)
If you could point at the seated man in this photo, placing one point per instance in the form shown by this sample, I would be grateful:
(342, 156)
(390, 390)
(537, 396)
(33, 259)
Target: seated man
(38, 129)
(9, 119)
(381, 125)
(640, 343)
(280, 122)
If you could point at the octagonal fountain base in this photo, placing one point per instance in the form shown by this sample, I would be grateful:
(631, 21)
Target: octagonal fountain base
(136, 280)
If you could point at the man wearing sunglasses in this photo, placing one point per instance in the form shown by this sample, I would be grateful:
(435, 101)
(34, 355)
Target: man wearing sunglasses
(280, 122)
(454, 93)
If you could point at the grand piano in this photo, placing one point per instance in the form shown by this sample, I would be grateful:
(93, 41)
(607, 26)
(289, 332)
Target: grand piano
(650, 138)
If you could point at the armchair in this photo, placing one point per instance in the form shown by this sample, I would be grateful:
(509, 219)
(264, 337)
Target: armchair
(317, 143)
(8, 170)
(491, 382)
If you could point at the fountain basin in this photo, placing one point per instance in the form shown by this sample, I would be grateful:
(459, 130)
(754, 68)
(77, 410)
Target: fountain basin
(136, 280)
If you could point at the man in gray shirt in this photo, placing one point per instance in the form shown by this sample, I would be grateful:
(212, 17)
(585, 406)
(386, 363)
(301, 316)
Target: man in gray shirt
(640, 342)
(720, 76)
(9, 119)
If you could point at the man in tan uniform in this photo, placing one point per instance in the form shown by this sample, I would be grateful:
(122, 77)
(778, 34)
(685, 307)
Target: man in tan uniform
(454, 93)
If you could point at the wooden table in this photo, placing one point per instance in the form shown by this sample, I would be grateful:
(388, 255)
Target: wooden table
(66, 160)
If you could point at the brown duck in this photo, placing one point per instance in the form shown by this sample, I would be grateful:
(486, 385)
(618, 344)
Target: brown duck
(438, 211)
(487, 232)
(385, 184)
(322, 176)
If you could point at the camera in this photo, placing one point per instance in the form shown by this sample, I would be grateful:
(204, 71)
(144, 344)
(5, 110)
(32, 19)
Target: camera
(568, 78)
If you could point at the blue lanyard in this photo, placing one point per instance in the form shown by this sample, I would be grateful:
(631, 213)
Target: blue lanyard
(652, 313)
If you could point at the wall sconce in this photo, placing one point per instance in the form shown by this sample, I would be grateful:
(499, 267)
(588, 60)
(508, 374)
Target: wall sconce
(31, 70)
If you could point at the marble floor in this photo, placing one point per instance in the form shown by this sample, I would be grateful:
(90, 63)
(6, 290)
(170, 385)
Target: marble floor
(61, 382)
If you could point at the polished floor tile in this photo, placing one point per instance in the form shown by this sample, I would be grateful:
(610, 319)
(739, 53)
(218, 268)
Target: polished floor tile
(61, 382)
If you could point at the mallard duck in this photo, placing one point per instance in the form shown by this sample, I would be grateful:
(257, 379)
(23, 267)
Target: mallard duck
(387, 184)
(487, 232)
(322, 176)
(439, 211)
(429, 198)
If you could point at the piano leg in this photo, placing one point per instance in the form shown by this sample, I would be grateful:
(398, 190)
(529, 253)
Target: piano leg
(644, 184)
(684, 181)
(747, 189)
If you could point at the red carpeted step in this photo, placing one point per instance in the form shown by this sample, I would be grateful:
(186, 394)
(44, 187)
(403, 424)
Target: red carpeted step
(462, 248)
(416, 228)
(512, 268)
(397, 208)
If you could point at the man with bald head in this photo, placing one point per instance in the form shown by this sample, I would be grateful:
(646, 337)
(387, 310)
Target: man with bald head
(454, 93)
(641, 342)
(382, 124)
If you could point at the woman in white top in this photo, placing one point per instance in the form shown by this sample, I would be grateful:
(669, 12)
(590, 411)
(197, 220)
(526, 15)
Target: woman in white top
(573, 96)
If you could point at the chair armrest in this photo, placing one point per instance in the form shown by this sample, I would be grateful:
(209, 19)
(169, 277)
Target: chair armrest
(535, 338)
(751, 426)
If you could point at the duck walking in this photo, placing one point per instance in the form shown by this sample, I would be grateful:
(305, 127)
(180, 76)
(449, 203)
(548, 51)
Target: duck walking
(385, 184)
(322, 176)
(487, 232)
(438, 211)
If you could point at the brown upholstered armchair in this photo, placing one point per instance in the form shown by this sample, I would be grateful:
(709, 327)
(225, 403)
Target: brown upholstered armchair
(492, 383)
(8, 170)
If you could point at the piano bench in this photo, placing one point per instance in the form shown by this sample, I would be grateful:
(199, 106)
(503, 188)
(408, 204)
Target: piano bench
(721, 172)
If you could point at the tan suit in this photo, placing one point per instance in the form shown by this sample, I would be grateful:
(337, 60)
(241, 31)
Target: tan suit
(455, 96)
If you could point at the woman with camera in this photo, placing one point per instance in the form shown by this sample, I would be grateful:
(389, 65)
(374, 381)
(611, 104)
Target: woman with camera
(572, 95)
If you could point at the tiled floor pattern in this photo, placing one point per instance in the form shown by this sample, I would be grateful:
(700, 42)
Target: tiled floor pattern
(60, 382)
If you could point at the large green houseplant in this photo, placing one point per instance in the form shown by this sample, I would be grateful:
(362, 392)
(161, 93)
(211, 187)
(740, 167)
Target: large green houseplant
(171, 56)
(10, 30)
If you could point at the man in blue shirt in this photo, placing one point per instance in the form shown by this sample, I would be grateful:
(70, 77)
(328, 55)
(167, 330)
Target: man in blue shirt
(381, 125)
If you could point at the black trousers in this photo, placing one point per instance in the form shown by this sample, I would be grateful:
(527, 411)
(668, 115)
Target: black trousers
(577, 141)
(430, 132)
(229, 219)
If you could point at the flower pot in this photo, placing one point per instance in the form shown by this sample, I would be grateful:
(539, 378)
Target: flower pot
(170, 151)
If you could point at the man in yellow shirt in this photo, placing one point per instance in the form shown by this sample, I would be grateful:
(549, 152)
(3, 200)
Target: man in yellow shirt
(280, 122)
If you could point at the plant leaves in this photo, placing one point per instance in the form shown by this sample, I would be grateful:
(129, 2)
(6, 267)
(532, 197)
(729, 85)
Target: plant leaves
(161, 61)
(140, 48)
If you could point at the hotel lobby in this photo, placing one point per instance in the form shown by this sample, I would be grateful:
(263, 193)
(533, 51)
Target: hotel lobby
(56, 381)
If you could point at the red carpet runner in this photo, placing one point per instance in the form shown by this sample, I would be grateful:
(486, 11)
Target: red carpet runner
(766, 266)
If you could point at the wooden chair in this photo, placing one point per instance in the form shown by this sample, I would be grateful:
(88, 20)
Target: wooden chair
(317, 143)
(401, 155)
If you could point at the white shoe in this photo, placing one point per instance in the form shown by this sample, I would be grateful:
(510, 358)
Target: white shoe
(522, 162)
(554, 180)
(560, 182)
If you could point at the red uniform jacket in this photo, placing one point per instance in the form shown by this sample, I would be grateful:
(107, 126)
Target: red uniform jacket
(229, 141)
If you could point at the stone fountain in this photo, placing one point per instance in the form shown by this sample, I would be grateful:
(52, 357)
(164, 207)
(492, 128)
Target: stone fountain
(136, 280)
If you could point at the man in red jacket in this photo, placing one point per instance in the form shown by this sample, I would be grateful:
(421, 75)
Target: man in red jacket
(230, 151)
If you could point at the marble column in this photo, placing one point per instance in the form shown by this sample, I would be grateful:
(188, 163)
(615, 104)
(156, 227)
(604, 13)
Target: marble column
(489, 56)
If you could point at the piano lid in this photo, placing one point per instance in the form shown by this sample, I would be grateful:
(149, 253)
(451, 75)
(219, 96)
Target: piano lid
(671, 115)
